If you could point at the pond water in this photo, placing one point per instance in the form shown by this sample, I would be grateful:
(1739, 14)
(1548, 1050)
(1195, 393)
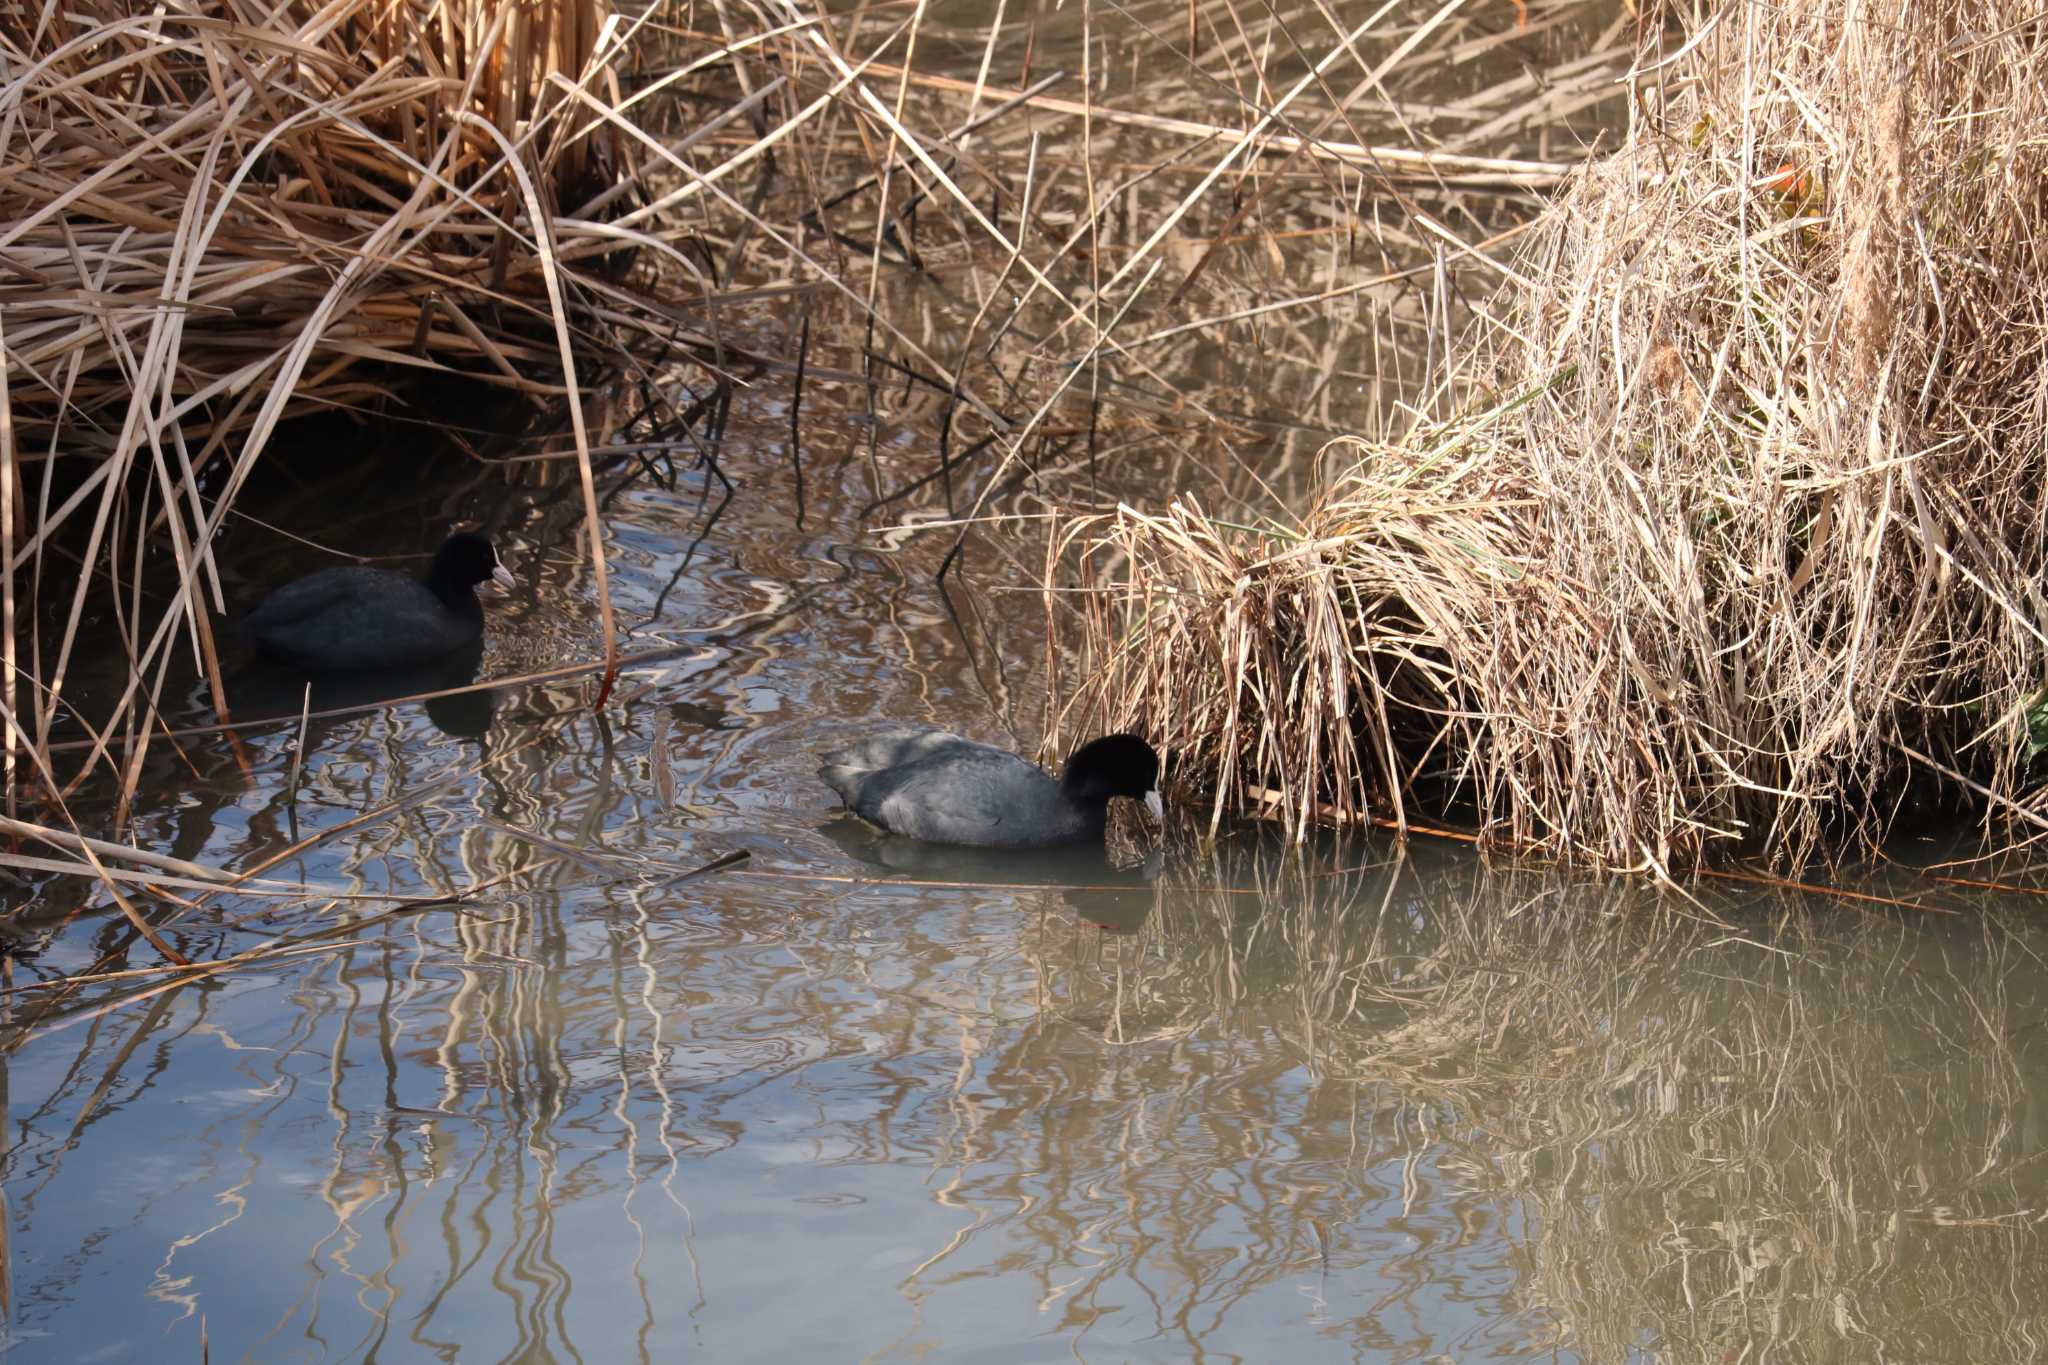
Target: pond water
(849, 1100)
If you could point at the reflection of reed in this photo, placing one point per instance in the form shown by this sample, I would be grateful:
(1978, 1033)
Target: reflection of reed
(1402, 1096)
(1713, 1146)
(1155, 1128)
(1731, 1150)
(1398, 1098)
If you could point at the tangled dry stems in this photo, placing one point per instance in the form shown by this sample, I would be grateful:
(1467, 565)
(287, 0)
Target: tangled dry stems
(1737, 527)
(217, 219)
(231, 217)
(198, 190)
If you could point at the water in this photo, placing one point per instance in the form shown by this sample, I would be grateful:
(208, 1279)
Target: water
(850, 1102)
(857, 1101)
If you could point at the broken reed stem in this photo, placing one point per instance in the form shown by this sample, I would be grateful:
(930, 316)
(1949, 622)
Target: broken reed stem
(291, 786)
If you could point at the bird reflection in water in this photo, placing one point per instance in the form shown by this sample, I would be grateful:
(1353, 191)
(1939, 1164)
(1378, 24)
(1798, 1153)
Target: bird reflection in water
(268, 691)
(1111, 894)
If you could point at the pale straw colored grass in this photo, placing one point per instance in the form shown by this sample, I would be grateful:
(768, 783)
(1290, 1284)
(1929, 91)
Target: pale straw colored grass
(1729, 528)
(224, 219)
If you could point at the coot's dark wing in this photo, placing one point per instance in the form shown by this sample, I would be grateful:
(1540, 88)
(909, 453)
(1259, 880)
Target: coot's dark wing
(967, 795)
(356, 617)
(305, 598)
(942, 788)
(846, 769)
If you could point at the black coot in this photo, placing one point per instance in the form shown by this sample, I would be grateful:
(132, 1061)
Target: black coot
(358, 617)
(927, 784)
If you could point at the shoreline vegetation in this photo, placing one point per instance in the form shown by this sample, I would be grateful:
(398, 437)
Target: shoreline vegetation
(1706, 516)
(1723, 533)
(1706, 519)
(220, 221)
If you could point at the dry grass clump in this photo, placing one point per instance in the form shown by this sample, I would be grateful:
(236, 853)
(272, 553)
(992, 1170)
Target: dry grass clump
(231, 210)
(217, 218)
(1742, 522)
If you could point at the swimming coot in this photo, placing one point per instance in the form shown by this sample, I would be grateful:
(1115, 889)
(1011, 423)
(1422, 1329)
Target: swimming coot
(358, 617)
(927, 784)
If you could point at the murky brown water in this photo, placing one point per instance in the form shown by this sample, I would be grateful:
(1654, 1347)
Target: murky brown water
(861, 1102)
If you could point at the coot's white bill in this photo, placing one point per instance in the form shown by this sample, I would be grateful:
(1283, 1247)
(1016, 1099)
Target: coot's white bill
(1155, 806)
(502, 576)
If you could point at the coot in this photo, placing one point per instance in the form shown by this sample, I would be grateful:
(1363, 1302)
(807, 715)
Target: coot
(358, 617)
(930, 785)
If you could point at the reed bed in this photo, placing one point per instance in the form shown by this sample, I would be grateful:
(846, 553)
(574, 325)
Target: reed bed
(223, 220)
(1725, 530)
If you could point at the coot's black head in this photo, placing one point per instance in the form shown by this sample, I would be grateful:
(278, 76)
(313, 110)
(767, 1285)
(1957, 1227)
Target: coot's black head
(464, 560)
(1115, 765)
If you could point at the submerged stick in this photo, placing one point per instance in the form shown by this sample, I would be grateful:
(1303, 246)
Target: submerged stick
(595, 861)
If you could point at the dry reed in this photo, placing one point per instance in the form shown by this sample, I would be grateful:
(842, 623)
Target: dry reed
(1727, 529)
(223, 220)
(217, 220)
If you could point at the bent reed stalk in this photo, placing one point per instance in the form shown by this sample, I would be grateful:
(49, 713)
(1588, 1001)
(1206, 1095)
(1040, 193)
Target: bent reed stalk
(1732, 514)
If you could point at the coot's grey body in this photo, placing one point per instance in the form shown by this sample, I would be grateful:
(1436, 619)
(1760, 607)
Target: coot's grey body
(363, 618)
(930, 785)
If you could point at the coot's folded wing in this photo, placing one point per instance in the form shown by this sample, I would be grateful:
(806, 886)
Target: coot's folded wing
(302, 600)
(356, 618)
(969, 794)
(889, 748)
(849, 770)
